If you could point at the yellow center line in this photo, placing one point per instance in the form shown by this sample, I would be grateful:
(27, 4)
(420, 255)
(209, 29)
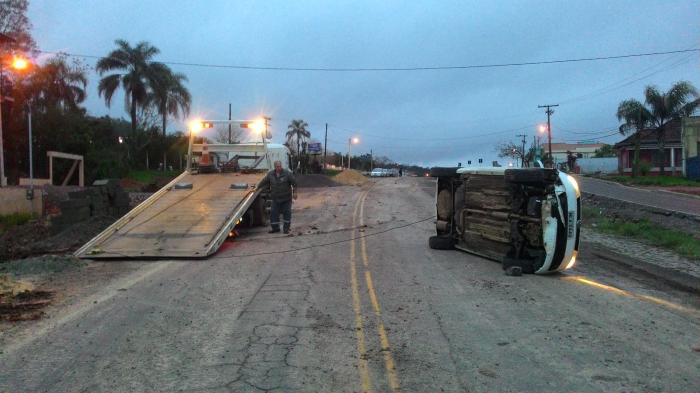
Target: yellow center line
(359, 330)
(622, 292)
(389, 363)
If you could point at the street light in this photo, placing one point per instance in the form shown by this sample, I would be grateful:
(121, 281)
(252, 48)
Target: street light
(195, 126)
(352, 141)
(18, 64)
(545, 128)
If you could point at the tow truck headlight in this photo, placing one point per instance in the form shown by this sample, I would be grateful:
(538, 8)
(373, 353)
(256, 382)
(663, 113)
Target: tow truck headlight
(572, 261)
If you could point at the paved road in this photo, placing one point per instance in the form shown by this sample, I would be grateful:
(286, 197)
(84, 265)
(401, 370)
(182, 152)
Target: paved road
(664, 200)
(380, 313)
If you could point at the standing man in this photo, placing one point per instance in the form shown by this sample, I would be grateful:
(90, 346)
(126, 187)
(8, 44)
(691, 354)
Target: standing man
(283, 188)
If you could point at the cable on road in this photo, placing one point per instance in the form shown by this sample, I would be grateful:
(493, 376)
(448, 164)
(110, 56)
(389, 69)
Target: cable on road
(322, 244)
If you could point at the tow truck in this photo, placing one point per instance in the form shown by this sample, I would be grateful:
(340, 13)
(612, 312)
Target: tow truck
(528, 219)
(197, 211)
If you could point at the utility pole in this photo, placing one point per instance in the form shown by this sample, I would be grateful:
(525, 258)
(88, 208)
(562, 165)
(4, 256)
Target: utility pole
(371, 160)
(522, 156)
(549, 113)
(325, 144)
(229, 123)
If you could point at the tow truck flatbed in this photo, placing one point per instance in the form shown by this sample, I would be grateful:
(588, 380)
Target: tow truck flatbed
(179, 221)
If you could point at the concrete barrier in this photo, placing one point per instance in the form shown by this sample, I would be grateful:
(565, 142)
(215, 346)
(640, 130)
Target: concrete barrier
(14, 200)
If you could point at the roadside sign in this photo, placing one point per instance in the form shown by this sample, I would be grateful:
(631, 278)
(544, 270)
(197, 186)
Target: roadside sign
(314, 148)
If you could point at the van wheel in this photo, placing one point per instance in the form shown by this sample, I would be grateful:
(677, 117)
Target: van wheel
(441, 242)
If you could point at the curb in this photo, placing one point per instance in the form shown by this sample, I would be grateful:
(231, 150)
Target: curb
(681, 281)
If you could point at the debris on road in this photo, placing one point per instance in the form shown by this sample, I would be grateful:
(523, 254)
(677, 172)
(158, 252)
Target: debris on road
(350, 177)
(20, 302)
(313, 180)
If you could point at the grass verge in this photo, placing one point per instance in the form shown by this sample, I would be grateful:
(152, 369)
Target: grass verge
(10, 220)
(661, 181)
(643, 230)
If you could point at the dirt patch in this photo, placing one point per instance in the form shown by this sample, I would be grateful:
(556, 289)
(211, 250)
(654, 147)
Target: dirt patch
(130, 184)
(41, 265)
(35, 238)
(304, 181)
(20, 302)
(684, 190)
(617, 209)
(350, 177)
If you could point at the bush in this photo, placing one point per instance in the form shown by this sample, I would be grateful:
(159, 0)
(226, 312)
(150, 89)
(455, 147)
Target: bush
(644, 168)
(14, 219)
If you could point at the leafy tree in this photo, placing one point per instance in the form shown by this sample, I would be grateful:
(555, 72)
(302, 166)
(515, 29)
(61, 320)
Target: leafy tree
(134, 72)
(681, 100)
(15, 26)
(605, 151)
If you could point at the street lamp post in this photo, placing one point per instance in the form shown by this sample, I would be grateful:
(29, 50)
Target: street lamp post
(19, 64)
(3, 181)
(30, 193)
(351, 141)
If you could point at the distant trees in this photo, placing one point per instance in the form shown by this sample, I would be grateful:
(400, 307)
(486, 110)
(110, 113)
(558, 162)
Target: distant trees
(605, 151)
(679, 101)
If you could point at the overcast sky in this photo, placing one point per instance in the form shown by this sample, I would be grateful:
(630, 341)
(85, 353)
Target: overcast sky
(423, 117)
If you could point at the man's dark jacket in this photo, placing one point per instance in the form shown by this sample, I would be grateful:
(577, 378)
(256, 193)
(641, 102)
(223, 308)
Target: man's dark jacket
(280, 185)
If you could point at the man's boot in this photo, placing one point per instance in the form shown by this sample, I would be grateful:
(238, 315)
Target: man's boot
(275, 229)
(286, 228)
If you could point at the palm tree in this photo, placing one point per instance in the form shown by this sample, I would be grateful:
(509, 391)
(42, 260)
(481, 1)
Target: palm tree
(169, 96)
(297, 130)
(636, 117)
(57, 84)
(135, 73)
(681, 100)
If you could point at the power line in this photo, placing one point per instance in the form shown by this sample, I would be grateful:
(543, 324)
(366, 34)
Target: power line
(389, 69)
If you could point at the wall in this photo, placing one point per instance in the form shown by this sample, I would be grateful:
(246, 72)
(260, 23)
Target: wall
(594, 165)
(14, 200)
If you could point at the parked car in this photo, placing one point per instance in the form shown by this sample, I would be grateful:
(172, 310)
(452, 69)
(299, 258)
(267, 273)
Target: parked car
(377, 172)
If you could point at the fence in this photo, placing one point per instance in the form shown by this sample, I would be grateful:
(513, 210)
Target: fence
(605, 165)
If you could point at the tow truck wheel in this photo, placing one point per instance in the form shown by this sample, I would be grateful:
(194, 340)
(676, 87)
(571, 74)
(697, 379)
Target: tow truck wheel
(441, 243)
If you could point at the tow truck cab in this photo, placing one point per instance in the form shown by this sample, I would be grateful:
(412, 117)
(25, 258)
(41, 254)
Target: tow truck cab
(527, 218)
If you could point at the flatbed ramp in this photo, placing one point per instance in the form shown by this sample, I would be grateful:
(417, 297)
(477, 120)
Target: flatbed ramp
(178, 221)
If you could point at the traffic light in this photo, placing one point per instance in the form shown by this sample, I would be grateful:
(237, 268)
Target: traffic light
(207, 124)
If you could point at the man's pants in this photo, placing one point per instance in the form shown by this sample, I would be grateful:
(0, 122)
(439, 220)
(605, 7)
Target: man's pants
(284, 208)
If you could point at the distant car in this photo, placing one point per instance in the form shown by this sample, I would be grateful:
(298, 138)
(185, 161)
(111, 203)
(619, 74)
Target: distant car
(376, 172)
(528, 219)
